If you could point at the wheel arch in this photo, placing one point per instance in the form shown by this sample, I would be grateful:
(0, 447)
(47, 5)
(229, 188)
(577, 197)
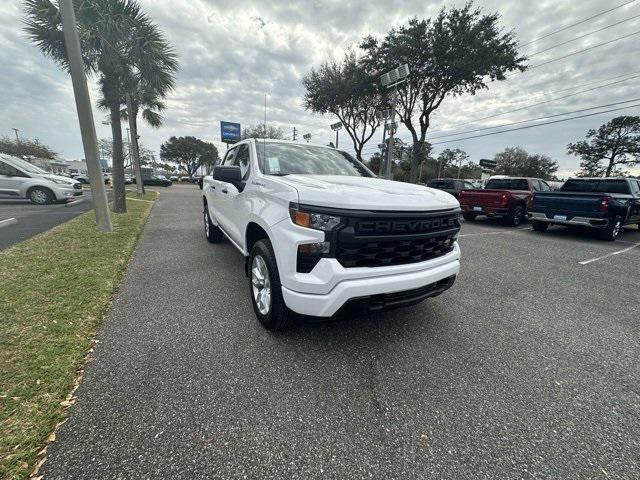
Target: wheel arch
(42, 187)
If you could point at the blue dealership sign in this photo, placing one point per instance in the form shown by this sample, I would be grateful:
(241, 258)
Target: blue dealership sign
(229, 132)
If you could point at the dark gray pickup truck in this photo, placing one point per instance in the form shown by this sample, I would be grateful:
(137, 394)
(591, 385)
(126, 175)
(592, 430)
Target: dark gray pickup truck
(605, 204)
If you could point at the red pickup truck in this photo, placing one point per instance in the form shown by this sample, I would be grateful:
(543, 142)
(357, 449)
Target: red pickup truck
(507, 197)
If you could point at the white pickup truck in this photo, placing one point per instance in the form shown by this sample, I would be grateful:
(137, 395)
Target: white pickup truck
(322, 235)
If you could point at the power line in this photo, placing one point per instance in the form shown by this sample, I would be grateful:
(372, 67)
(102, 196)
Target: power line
(534, 119)
(583, 36)
(577, 23)
(582, 51)
(531, 105)
(539, 124)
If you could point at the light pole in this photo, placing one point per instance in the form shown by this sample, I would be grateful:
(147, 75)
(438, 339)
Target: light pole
(16, 132)
(336, 126)
(85, 116)
(392, 79)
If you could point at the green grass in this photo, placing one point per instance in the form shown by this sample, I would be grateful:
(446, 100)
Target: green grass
(54, 293)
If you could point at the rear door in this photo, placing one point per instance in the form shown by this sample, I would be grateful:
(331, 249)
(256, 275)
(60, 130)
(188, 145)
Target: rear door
(220, 207)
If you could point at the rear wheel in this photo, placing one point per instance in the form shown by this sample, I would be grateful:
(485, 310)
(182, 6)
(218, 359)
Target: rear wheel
(41, 196)
(469, 217)
(539, 226)
(265, 288)
(516, 217)
(211, 231)
(611, 232)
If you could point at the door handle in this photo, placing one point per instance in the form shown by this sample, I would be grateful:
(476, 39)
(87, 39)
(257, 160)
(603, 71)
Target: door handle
(224, 190)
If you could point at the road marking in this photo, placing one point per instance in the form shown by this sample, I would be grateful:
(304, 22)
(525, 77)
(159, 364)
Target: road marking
(7, 222)
(75, 202)
(497, 232)
(585, 262)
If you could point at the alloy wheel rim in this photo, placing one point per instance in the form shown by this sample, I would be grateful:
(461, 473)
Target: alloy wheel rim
(261, 285)
(39, 196)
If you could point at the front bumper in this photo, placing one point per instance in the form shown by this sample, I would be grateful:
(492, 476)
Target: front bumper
(64, 192)
(578, 221)
(370, 283)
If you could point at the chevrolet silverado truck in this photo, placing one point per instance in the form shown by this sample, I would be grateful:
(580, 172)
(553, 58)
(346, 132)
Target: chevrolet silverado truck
(322, 235)
(505, 197)
(605, 204)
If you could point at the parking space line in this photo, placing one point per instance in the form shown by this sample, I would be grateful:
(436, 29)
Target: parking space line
(496, 232)
(7, 222)
(591, 260)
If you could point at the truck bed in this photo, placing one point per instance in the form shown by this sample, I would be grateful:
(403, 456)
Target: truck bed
(566, 205)
(483, 198)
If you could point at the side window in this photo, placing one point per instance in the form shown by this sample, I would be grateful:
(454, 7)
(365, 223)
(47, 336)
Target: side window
(536, 185)
(522, 184)
(242, 160)
(6, 169)
(635, 187)
(230, 157)
(544, 186)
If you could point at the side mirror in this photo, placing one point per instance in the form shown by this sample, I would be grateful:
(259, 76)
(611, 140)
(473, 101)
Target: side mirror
(228, 174)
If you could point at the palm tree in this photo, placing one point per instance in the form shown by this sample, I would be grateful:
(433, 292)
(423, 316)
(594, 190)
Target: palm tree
(118, 40)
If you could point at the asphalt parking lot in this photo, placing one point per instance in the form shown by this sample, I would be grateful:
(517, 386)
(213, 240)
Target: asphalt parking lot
(527, 368)
(34, 219)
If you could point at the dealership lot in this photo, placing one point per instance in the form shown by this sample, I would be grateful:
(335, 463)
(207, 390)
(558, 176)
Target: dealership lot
(527, 367)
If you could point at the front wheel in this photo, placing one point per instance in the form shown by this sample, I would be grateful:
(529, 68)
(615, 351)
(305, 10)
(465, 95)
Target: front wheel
(41, 196)
(611, 232)
(516, 217)
(265, 288)
(539, 226)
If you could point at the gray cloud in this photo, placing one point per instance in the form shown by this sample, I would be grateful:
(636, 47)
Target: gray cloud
(232, 53)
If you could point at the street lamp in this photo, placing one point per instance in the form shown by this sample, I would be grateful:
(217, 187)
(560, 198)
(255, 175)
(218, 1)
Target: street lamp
(307, 137)
(392, 79)
(336, 126)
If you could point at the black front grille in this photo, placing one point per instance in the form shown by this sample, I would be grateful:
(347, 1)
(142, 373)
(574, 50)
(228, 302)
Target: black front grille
(379, 241)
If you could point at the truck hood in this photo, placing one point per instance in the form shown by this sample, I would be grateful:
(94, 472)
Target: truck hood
(366, 193)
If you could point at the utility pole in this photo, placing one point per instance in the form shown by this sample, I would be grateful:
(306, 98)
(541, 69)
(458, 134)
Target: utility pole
(16, 131)
(391, 79)
(294, 134)
(85, 116)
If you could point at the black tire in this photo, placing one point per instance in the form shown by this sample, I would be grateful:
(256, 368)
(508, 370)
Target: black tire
(277, 316)
(211, 231)
(41, 196)
(539, 226)
(516, 216)
(469, 217)
(611, 231)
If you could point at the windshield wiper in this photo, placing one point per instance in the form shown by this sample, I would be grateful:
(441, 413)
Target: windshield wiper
(279, 174)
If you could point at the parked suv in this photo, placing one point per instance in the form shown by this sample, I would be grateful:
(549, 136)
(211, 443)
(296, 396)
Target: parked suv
(321, 234)
(450, 185)
(20, 179)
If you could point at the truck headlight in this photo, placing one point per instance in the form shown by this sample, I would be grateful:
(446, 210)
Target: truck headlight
(317, 221)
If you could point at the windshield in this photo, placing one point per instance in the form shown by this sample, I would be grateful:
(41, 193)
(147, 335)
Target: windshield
(299, 159)
(507, 184)
(598, 186)
(26, 166)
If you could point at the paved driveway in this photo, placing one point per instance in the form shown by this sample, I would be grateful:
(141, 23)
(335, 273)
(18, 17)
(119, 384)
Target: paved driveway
(528, 367)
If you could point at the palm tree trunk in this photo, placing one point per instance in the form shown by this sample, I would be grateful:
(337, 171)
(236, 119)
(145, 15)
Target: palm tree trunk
(133, 126)
(117, 175)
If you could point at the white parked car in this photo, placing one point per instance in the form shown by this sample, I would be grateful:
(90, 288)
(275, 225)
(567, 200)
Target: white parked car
(20, 179)
(321, 234)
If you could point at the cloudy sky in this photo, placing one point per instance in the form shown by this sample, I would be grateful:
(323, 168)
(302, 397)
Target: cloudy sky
(233, 52)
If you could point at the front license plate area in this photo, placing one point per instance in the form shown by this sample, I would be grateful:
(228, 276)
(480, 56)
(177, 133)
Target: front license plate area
(477, 209)
(562, 218)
